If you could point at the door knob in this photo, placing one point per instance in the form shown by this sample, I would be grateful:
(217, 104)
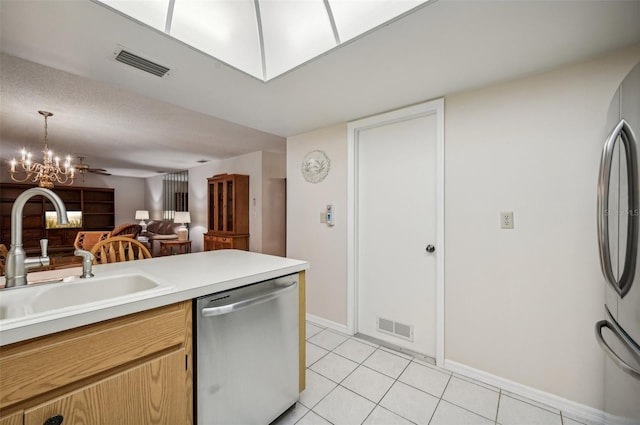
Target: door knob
(430, 248)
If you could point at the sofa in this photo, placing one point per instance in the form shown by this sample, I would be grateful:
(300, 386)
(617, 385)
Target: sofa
(130, 230)
(160, 230)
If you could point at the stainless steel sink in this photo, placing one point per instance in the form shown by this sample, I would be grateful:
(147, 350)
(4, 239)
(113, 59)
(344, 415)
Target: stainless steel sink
(24, 302)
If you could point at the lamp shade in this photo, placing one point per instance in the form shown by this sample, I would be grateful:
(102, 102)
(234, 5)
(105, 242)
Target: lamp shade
(142, 215)
(182, 217)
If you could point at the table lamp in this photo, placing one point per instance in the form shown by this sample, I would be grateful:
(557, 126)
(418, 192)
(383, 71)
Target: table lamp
(182, 217)
(142, 215)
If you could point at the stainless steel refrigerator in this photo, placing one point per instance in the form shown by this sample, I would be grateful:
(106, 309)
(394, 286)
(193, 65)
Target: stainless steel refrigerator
(618, 225)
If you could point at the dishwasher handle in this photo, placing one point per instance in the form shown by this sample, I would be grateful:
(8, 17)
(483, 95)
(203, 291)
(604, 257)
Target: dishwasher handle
(248, 302)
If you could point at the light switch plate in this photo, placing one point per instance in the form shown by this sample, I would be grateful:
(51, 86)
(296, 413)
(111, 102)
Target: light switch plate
(323, 217)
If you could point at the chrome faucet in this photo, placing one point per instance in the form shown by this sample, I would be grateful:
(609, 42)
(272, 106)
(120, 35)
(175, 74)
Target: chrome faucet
(87, 262)
(17, 261)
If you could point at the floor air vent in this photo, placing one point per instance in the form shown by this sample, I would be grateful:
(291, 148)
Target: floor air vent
(400, 330)
(141, 63)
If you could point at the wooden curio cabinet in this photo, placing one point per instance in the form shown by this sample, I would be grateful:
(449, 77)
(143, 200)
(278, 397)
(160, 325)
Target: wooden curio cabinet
(228, 198)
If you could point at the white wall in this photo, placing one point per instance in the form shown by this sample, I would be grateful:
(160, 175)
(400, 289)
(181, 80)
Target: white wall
(274, 206)
(307, 239)
(154, 197)
(520, 304)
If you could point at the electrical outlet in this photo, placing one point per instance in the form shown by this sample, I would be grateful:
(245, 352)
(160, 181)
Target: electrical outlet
(506, 220)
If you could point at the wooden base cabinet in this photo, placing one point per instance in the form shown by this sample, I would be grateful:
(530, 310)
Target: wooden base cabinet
(140, 395)
(132, 370)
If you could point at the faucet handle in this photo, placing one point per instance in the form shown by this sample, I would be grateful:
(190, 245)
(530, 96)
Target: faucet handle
(86, 255)
(87, 261)
(44, 244)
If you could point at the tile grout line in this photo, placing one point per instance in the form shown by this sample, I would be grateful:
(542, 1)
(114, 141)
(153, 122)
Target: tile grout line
(498, 406)
(440, 399)
(467, 409)
(539, 405)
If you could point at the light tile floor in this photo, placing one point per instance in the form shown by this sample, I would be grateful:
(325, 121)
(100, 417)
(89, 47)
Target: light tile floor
(351, 382)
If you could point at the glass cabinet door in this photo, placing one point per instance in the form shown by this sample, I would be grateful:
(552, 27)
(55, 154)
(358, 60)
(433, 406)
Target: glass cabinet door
(229, 206)
(221, 207)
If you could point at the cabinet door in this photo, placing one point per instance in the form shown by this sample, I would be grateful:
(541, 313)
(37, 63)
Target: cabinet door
(13, 419)
(151, 393)
(219, 206)
(229, 206)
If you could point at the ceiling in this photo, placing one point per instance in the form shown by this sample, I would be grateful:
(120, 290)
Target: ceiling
(263, 38)
(59, 56)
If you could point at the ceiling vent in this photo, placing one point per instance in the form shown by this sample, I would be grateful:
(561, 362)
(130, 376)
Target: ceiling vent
(141, 63)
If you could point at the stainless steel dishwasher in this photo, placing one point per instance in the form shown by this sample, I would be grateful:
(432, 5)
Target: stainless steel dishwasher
(247, 353)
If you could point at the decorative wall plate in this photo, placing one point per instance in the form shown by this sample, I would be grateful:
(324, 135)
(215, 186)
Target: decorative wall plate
(315, 166)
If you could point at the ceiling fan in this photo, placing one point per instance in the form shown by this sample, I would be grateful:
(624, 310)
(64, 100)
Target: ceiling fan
(82, 168)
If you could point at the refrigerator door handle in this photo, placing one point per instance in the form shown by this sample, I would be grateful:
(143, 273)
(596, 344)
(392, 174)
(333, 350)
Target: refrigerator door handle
(623, 284)
(611, 353)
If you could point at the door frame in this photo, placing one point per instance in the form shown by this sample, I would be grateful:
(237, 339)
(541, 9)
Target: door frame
(433, 107)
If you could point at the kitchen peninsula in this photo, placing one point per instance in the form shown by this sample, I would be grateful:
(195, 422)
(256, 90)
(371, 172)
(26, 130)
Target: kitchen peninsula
(131, 354)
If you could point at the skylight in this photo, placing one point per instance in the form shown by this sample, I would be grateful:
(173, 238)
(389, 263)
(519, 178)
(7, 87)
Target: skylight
(264, 38)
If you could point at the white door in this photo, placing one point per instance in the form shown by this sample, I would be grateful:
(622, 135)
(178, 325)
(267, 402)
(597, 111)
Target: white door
(396, 220)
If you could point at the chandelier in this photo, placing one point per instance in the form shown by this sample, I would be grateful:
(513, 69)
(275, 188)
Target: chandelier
(47, 173)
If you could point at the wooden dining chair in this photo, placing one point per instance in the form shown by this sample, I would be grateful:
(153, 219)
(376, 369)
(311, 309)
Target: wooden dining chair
(119, 248)
(3, 258)
(87, 239)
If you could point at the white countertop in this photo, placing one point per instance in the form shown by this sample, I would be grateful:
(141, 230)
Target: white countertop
(184, 277)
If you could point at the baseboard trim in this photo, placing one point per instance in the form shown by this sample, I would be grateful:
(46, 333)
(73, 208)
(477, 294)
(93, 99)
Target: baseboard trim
(571, 408)
(328, 324)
